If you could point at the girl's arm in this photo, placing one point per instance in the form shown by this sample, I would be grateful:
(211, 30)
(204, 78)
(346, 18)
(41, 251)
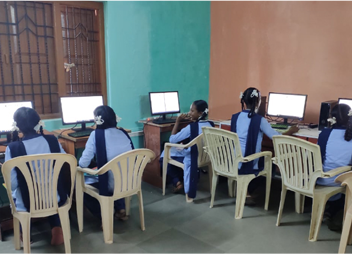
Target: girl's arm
(182, 135)
(89, 151)
(14, 182)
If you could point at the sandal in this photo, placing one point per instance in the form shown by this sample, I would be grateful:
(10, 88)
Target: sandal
(178, 187)
(121, 215)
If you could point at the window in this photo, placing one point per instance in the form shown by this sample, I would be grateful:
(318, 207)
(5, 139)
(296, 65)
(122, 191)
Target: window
(51, 49)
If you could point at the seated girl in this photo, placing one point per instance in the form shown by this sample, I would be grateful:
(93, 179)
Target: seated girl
(28, 122)
(198, 113)
(106, 142)
(250, 128)
(336, 150)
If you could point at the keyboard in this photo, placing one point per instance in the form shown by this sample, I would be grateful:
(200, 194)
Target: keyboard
(279, 126)
(79, 134)
(168, 120)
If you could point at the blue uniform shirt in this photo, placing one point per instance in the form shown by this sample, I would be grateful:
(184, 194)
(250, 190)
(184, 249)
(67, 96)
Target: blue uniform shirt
(116, 143)
(242, 131)
(33, 146)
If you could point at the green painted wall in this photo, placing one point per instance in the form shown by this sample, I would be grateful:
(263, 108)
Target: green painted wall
(153, 46)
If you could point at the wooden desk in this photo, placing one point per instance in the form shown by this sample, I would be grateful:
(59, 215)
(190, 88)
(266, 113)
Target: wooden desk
(152, 137)
(70, 144)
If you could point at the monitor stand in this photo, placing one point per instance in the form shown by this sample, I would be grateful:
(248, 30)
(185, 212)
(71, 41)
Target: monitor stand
(83, 128)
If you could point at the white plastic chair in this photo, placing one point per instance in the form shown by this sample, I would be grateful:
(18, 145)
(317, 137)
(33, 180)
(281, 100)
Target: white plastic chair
(42, 189)
(225, 154)
(346, 236)
(300, 165)
(203, 159)
(127, 170)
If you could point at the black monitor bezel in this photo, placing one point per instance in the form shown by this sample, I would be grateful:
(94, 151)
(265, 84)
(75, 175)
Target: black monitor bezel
(62, 118)
(173, 112)
(285, 116)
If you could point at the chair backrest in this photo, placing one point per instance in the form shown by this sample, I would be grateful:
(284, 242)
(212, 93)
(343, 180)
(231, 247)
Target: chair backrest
(203, 157)
(299, 162)
(41, 173)
(224, 150)
(127, 169)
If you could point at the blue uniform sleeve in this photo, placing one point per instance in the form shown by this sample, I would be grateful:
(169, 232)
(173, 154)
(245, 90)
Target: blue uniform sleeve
(267, 129)
(14, 182)
(89, 151)
(182, 135)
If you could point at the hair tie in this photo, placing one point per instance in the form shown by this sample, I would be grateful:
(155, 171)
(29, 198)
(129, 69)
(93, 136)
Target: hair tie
(98, 120)
(118, 119)
(254, 93)
(14, 127)
(241, 95)
(350, 113)
(206, 111)
(40, 124)
(332, 120)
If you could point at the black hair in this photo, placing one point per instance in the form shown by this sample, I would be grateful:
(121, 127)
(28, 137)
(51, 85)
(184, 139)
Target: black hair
(26, 119)
(250, 101)
(201, 106)
(340, 112)
(107, 115)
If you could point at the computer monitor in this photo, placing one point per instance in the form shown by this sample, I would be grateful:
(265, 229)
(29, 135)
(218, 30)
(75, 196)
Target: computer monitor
(79, 110)
(345, 101)
(287, 105)
(7, 110)
(162, 103)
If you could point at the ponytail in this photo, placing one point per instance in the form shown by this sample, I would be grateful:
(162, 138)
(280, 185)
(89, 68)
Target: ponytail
(250, 98)
(348, 132)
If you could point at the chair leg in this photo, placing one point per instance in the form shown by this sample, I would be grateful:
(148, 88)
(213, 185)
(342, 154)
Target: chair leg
(107, 215)
(230, 184)
(345, 232)
(26, 233)
(210, 173)
(165, 162)
(79, 202)
(213, 189)
(16, 232)
(318, 208)
(267, 191)
(66, 229)
(242, 187)
(141, 209)
(282, 203)
(299, 202)
(128, 205)
(348, 204)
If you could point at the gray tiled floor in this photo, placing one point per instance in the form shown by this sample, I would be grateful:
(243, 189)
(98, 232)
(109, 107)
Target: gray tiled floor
(172, 225)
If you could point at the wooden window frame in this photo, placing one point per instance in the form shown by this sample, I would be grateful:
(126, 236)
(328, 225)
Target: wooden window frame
(59, 54)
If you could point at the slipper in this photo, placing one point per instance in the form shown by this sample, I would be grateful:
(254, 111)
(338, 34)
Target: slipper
(249, 201)
(121, 215)
(178, 188)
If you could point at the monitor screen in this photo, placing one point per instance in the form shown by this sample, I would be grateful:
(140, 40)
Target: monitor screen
(346, 101)
(7, 110)
(287, 105)
(79, 109)
(164, 103)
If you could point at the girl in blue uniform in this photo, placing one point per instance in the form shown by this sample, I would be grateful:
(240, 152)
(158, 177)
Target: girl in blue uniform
(250, 128)
(198, 114)
(336, 150)
(28, 122)
(105, 143)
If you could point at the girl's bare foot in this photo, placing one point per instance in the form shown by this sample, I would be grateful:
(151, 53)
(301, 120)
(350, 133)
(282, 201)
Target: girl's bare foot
(57, 236)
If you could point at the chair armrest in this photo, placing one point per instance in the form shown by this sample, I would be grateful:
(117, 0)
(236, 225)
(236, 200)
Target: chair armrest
(192, 143)
(88, 171)
(256, 156)
(336, 171)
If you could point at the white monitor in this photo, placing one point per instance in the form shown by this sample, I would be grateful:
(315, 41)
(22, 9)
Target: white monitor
(7, 110)
(79, 109)
(287, 105)
(162, 103)
(345, 101)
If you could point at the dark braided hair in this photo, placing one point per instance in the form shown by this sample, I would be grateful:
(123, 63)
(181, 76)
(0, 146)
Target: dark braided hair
(340, 112)
(201, 106)
(250, 101)
(26, 119)
(108, 115)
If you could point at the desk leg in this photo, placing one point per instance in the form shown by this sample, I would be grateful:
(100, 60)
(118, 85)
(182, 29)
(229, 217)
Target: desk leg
(152, 141)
